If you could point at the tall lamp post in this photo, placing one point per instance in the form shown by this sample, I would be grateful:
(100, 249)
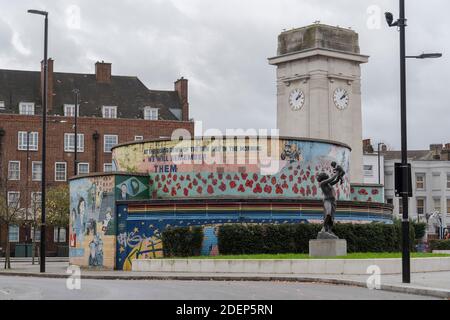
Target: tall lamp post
(44, 134)
(379, 161)
(75, 158)
(405, 189)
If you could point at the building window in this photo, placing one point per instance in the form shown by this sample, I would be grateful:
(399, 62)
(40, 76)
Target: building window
(420, 181)
(35, 201)
(109, 141)
(390, 201)
(69, 142)
(368, 171)
(26, 109)
(150, 113)
(23, 139)
(448, 180)
(107, 167)
(14, 170)
(62, 235)
(60, 171)
(2, 105)
(69, 110)
(36, 232)
(420, 206)
(437, 204)
(14, 233)
(138, 138)
(83, 168)
(13, 199)
(36, 171)
(448, 206)
(109, 112)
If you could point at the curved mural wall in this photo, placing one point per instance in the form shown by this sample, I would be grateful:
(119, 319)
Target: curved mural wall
(259, 168)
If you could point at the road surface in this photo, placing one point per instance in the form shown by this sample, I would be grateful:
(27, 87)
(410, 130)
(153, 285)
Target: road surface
(47, 288)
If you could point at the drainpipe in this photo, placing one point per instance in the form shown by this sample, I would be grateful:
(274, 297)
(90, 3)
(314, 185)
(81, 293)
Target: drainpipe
(96, 137)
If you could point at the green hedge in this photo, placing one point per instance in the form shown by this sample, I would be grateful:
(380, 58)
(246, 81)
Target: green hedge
(440, 244)
(182, 242)
(235, 239)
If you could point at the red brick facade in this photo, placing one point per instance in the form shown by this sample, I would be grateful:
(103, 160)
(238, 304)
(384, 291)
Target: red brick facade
(93, 129)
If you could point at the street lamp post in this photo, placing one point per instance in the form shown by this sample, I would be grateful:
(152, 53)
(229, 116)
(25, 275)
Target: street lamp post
(44, 133)
(379, 161)
(75, 158)
(405, 170)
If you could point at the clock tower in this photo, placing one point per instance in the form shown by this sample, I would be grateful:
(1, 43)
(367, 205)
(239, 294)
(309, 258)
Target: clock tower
(319, 87)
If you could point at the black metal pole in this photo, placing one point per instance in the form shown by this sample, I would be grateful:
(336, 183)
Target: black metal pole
(44, 133)
(379, 164)
(406, 271)
(75, 160)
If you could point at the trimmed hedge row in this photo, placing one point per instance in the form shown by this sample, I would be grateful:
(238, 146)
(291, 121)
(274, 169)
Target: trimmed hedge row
(182, 242)
(440, 245)
(272, 239)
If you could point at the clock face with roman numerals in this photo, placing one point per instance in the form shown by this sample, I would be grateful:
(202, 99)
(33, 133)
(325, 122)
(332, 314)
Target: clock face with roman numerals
(296, 99)
(341, 98)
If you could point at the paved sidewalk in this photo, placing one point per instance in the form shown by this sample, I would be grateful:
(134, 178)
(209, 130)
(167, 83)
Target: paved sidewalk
(436, 284)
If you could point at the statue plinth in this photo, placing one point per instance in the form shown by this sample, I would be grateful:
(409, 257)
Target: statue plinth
(327, 248)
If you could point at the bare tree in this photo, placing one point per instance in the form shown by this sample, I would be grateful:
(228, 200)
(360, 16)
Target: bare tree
(58, 207)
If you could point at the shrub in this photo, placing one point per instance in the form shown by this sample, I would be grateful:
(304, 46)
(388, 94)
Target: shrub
(182, 242)
(440, 244)
(294, 238)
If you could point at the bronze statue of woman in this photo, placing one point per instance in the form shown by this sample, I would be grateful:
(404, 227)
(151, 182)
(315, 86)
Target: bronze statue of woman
(329, 204)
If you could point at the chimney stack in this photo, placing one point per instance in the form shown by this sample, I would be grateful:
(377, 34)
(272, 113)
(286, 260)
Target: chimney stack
(181, 86)
(103, 72)
(367, 146)
(50, 92)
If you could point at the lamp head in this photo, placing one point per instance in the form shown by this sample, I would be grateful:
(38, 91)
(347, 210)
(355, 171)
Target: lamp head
(390, 19)
(42, 13)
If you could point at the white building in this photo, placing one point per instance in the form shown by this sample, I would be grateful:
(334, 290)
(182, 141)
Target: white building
(430, 180)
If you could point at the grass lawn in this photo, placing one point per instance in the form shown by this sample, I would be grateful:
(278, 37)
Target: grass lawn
(367, 255)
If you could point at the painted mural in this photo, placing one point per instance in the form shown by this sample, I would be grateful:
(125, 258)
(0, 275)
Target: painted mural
(298, 162)
(131, 187)
(92, 222)
(367, 193)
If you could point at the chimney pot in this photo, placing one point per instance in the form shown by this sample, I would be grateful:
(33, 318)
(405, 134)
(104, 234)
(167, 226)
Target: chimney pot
(103, 72)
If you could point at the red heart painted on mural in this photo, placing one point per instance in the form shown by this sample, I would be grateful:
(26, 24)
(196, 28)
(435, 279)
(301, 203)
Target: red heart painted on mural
(169, 175)
(175, 177)
(186, 192)
(228, 177)
(308, 191)
(274, 180)
(204, 181)
(165, 189)
(199, 189)
(299, 180)
(241, 188)
(169, 182)
(295, 189)
(190, 185)
(255, 177)
(295, 172)
(210, 189)
(285, 185)
(220, 176)
(313, 179)
(174, 192)
(263, 179)
(211, 176)
(163, 178)
(199, 176)
(195, 182)
(236, 177)
(283, 177)
(249, 183)
(188, 177)
(159, 185)
(268, 189)
(232, 184)
(214, 182)
(291, 178)
(150, 182)
(182, 178)
(314, 190)
(223, 187)
(244, 176)
(302, 191)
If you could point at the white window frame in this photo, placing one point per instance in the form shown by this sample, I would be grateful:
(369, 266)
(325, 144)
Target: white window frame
(39, 176)
(423, 175)
(107, 164)
(56, 171)
(16, 171)
(2, 105)
(424, 208)
(26, 108)
(16, 232)
(437, 200)
(22, 137)
(104, 142)
(151, 113)
(109, 112)
(62, 231)
(69, 138)
(138, 138)
(448, 180)
(10, 193)
(38, 201)
(69, 110)
(80, 164)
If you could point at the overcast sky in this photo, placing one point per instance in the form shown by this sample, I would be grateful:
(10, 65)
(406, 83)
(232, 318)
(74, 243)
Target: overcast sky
(222, 47)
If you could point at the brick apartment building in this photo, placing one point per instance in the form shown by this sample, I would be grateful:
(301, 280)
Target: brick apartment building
(112, 110)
